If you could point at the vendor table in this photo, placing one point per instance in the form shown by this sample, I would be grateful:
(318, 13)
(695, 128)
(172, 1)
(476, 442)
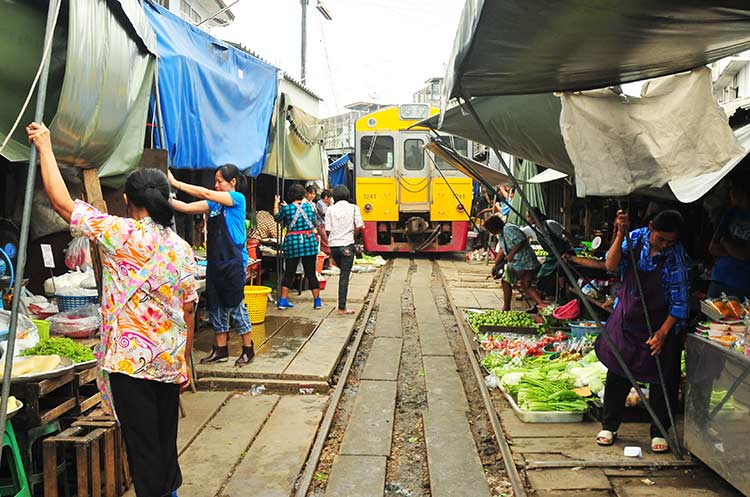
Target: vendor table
(717, 409)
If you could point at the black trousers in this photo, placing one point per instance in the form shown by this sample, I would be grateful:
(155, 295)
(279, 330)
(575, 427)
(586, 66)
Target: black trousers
(344, 259)
(618, 387)
(308, 263)
(148, 412)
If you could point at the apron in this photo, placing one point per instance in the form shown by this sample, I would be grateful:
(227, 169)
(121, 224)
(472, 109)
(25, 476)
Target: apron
(225, 271)
(312, 232)
(627, 326)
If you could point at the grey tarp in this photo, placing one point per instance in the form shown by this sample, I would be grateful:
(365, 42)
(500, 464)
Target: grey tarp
(527, 126)
(542, 46)
(301, 153)
(471, 168)
(103, 104)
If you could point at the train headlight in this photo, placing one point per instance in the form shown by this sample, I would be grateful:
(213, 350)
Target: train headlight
(368, 207)
(460, 207)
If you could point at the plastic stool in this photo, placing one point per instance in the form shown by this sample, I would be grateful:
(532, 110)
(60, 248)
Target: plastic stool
(36, 472)
(20, 486)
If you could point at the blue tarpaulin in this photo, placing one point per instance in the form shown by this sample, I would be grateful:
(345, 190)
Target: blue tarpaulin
(216, 101)
(337, 171)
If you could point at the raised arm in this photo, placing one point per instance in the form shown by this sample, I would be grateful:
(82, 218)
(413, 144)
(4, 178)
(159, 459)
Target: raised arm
(54, 184)
(197, 207)
(614, 255)
(223, 198)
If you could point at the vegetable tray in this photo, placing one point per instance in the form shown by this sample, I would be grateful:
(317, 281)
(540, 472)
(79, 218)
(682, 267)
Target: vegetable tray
(502, 330)
(543, 416)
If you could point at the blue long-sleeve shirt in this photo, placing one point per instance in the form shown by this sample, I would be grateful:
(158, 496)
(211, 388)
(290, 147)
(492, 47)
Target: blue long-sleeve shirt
(674, 272)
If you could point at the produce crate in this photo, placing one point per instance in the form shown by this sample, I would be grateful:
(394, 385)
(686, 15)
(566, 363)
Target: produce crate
(46, 400)
(87, 392)
(543, 416)
(97, 449)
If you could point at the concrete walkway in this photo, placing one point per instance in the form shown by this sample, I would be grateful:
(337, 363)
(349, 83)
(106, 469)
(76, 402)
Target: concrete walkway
(295, 348)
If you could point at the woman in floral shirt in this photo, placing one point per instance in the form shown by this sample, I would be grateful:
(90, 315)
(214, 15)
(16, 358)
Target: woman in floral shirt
(147, 308)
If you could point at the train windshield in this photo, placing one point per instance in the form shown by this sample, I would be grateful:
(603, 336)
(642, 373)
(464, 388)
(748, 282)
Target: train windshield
(460, 145)
(376, 152)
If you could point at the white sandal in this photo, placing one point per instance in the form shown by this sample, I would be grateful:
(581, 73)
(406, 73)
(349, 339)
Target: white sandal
(659, 442)
(606, 438)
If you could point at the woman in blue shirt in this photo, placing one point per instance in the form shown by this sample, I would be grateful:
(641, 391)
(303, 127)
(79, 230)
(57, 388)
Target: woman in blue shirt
(226, 256)
(731, 245)
(663, 273)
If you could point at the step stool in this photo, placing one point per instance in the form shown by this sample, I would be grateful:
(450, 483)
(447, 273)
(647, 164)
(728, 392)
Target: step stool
(87, 443)
(19, 486)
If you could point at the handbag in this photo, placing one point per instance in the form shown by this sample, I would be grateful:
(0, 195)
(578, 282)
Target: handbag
(358, 248)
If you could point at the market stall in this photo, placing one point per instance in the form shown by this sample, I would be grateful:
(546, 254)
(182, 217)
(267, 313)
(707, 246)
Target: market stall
(717, 401)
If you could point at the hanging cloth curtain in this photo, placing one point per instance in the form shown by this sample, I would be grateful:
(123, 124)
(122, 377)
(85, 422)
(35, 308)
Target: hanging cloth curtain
(533, 191)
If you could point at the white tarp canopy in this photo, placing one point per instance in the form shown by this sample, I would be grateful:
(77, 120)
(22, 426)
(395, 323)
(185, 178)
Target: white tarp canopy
(547, 176)
(691, 189)
(619, 144)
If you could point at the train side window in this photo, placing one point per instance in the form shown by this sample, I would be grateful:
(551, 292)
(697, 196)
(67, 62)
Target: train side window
(376, 152)
(461, 146)
(413, 154)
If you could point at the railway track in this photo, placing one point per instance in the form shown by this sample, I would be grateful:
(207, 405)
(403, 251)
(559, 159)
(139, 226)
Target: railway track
(418, 301)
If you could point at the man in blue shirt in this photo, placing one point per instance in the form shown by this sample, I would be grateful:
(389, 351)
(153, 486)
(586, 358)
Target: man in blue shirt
(731, 245)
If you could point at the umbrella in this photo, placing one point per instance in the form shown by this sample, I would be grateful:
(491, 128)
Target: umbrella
(533, 191)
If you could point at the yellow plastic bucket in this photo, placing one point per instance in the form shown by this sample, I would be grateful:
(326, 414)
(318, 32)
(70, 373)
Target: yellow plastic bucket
(256, 300)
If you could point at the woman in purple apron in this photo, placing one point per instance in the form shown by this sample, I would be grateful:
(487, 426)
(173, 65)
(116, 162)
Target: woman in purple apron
(664, 279)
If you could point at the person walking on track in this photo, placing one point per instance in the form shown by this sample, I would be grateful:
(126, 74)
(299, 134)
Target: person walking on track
(300, 243)
(344, 223)
(147, 307)
(226, 257)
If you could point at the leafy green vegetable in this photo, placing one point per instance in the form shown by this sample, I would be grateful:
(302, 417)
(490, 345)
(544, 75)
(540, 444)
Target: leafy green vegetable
(64, 347)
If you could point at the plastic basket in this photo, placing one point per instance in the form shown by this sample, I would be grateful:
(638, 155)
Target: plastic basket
(319, 263)
(579, 331)
(42, 327)
(70, 302)
(256, 300)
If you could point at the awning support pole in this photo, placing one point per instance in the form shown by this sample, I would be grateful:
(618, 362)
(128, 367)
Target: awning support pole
(569, 274)
(23, 245)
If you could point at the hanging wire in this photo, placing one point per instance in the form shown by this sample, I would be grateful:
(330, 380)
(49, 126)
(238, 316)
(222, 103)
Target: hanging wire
(569, 274)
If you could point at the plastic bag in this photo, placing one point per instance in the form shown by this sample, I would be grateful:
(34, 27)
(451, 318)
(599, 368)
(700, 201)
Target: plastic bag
(81, 322)
(26, 333)
(78, 254)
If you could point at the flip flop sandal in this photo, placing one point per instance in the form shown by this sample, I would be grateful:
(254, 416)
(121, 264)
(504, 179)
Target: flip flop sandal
(659, 445)
(606, 438)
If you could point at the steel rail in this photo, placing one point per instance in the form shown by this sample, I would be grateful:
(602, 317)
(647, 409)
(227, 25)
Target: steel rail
(510, 466)
(325, 427)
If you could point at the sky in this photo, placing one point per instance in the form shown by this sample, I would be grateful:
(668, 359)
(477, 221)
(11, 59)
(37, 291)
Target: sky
(373, 50)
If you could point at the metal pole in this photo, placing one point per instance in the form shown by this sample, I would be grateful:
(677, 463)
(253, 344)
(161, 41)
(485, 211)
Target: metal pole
(303, 71)
(52, 13)
(569, 274)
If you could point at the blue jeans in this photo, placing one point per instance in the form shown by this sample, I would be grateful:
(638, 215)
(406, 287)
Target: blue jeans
(220, 316)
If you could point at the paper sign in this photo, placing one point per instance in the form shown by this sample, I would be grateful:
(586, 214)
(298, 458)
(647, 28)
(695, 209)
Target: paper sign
(49, 259)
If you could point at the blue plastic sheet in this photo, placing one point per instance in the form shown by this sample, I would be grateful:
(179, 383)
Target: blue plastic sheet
(337, 171)
(216, 101)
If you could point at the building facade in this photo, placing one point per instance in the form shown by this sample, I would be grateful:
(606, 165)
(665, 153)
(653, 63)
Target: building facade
(430, 93)
(339, 130)
(195, 11)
